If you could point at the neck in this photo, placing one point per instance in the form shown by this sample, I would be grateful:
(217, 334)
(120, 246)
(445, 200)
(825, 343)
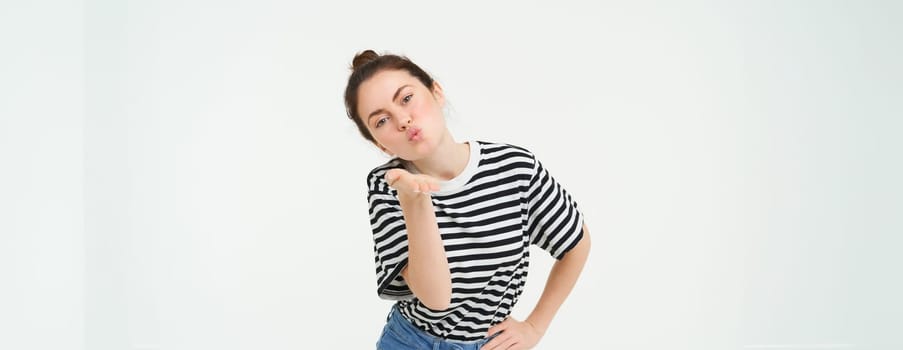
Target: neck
(449, 159)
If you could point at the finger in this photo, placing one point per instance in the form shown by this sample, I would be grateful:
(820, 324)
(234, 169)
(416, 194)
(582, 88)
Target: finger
(433, 187)
(433, 181)
(517, 346)
(498, 328)
(392, 175)
(427, 179)
(508, 344)
(495, 343)
(422, 187)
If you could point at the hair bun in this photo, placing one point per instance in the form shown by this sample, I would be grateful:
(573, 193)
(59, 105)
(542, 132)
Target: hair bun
(363, 58)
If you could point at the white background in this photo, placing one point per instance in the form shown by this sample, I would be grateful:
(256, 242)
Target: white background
(181, 174)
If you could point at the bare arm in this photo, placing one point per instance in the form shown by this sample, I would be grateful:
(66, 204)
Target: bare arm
(427, 272)
(561, 281)
(526, 334)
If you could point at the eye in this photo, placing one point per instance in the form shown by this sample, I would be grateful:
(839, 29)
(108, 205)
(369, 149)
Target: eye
(407, 99)
(381, 121)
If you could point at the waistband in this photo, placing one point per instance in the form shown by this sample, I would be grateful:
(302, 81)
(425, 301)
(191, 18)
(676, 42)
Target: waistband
(396, 317)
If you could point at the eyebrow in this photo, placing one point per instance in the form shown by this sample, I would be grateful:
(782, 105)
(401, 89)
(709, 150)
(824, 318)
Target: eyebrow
(395, 96)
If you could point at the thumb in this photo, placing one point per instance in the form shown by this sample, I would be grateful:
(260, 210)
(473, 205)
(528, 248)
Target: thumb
(392, 175)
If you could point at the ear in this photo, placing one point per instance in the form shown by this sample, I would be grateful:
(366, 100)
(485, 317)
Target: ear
(438, 94)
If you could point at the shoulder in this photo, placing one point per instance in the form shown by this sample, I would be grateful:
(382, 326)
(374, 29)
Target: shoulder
(506, 151)
(376, 178)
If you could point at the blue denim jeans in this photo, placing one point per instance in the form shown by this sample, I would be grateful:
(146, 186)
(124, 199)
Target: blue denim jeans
(401, 334)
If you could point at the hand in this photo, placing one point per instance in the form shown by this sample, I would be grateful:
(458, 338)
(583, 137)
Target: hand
(517, 335)
(403, 181)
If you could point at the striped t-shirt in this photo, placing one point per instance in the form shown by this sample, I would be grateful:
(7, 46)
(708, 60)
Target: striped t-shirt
(488, 216)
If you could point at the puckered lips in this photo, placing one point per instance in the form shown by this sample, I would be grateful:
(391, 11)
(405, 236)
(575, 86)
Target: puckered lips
(414, 134)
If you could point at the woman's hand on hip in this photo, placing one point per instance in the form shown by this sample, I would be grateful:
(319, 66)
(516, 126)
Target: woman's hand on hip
(517, 335)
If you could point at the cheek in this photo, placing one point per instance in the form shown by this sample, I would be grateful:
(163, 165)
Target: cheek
(424, 108)
(381, 136)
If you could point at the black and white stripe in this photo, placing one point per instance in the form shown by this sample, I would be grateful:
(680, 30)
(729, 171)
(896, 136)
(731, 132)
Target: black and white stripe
(487, 225)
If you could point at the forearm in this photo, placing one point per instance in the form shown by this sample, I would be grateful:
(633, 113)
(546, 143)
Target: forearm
(427, 272)
(561, 281)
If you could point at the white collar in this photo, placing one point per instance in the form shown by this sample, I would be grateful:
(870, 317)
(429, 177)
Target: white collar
(462, 178)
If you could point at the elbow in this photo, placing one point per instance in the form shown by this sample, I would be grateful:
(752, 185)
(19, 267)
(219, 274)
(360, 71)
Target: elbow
(435, 294)
(439, 301)
(438, 306)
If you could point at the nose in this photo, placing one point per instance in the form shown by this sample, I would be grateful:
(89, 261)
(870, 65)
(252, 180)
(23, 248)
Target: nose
(404, 122)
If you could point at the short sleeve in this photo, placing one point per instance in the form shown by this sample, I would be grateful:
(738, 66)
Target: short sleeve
(554, 222)
(390, 238)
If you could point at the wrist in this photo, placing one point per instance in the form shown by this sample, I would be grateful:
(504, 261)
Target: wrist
(539, 327)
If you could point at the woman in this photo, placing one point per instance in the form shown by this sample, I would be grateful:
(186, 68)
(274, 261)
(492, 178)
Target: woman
(453, 221)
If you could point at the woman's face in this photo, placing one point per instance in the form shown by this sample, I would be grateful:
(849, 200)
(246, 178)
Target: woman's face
(403, 115)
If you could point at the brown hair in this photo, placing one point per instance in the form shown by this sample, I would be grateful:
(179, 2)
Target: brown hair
(364, 66)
